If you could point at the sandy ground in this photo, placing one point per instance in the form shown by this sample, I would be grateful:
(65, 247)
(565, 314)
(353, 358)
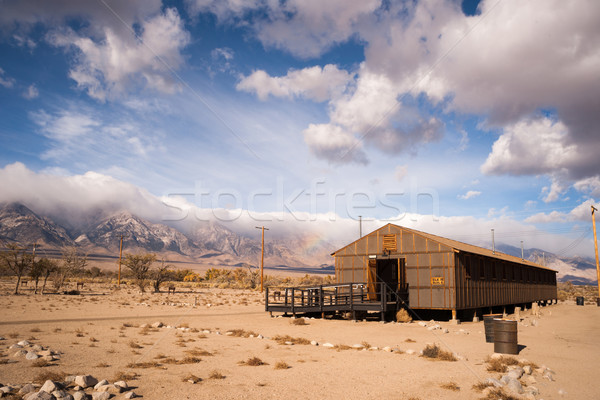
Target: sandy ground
(98, 333)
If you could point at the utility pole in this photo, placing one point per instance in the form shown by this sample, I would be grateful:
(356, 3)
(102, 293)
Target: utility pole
(360, 226)
(522, 256)
(594, 209)
(262, 256)
(493, 243)
(120, 255)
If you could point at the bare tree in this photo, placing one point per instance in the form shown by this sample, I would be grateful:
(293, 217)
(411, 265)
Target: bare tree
(160, 275)
(16, 260)
(48, 267)
(73, 263)
(139, 266)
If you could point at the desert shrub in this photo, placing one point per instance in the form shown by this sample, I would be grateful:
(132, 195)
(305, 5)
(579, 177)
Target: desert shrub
(281, 365)
(434, 352)
(216, 375)
(125, 376)
(499, 394)
(286, 338)
(403, 316)
(480, 386)
(450, 386)
(241, 333)
(253, 362)
(55, 376)
(500, 364)
(299, 321)
(191, 378)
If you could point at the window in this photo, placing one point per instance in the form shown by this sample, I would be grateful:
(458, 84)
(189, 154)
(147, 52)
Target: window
(389, 242)
(468, 267)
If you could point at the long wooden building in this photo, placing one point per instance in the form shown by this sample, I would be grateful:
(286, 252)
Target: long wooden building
(433, 272)
(394, 267)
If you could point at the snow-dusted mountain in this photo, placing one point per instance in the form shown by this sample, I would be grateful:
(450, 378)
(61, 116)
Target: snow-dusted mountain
(21, 225)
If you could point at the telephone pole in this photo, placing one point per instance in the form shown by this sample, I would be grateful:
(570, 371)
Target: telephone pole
(262, 256)
(360, 226)
(594, 209)
(120, 255)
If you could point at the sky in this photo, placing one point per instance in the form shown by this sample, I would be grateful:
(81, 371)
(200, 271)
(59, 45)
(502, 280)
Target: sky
(302, 115)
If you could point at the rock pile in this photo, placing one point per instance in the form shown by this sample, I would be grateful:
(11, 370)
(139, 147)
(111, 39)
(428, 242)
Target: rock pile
(80, 387)
(34, 351)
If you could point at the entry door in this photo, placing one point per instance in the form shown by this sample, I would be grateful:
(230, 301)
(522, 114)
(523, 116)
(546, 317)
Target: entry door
(372, 280)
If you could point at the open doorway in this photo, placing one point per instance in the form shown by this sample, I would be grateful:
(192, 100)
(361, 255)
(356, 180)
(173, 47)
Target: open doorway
(390, 272)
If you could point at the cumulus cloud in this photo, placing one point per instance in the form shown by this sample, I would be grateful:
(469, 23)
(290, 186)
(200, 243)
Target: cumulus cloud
(7, 82)
(108, 59)
(31, 92)
(106, 68)
(333, 143)
(589, 185)
(305, 28)
(319, 84)
(580, 213)
(470, 194)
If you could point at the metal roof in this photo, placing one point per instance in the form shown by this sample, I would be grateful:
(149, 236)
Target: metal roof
(460, 246)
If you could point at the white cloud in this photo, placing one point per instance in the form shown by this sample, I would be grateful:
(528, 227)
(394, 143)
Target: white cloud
(580, 213)
(557, 188)
(319, 84)
(589, 185)
(333, 143)
(470, 194)
(400, 172)
(31, 92)
(117, 62)
(7, 82)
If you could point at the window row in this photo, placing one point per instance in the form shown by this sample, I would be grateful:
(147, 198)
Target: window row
(477, 267)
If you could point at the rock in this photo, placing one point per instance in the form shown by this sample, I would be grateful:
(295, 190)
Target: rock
(495, 382)
(529, 396)
(289, 343)
(533, 390)
(446, 330)
(514, 386)
(229, 333)
(49, 386)
(5, 389)
(530, 380)
(562, 392)
(41, 395)
(410, 351)
(260, 337)
(548, 375)
(327, 345)
(387, 349)
(31, 356)
(114, 389)
(206, 331)
(77, 388)
(516, 372)
(85, 381)
(24, 343)
(101, 383)
(130, 395)
(434, 327)
(495, 356)
(80, 395)
(36, 348)
(357, 346)
(314, 342)
(43, 353)
(527, 369)
(157, 324)
(62, 395)
(15, 346)
(70, 378)
(20, 353)
(121, 384)
(2, 338)
(422, 323)
(30, 387)
(100, 396)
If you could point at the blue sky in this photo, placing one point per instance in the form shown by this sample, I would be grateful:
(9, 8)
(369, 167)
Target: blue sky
(483, 114)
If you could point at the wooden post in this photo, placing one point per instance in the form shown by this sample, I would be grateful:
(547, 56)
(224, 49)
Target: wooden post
(596, 248)
(262, 255)
(267, 299)
(120, 255)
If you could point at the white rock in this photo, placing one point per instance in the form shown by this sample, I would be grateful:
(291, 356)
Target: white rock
(327, 345)
(122, 384)
(421, 323)
(80, 395)
(100, 396)
(410, 351)
(387, 349)
(101, 383)
(31, 356)
(157, 324)
(15, 346)
(495, 382)
(260, 337)
(527, 369)
(130, 395)
(30, 387)
(20, 353)
(24, 343)
(314, 342)
(357, 346)
(85, 381)
(49, 386)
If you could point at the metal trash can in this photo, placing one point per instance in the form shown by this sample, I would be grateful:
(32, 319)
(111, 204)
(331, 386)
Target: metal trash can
(505, 336)
(580, 300)
(488, 324)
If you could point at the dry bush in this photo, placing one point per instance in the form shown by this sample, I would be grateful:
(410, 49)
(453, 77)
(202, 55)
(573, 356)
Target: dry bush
(340, 347)
(450, 386)
(147, 364)
(190, 360)
(499, 364)
(480, 386)
(35, 330)
(366, 345)
(409, 340)
(199, 352)
(403, 316)
(191, 378)
(4, 361)
(134, 345)
(103, 365)
(241, 333)
(216, 375)
(50, 376)
(125, 376)
(299, 321)
(160, 356)
(93, 340)
(286, 338)
(434, 352)
(281, 365)
(499, 394)
(40, 363)
(253, 362)
(13, 335)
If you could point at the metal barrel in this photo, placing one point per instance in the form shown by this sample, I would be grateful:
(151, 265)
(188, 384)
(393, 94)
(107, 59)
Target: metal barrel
(580, 300)
(488, 324)
(598, 301)
(505, 337)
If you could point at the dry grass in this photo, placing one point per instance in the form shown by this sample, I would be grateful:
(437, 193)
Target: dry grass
(125, 376)
(147, 364)
(35, 330)
(199, 353)
(4, 361)
(40, 363)
(103, 365)
(253, 362)
(299, 321)
(283, 339)
(500, 364)
(434, 352)
(340, 347)
(135, 345)
(13, 335)
(50, 376)
(216, 375)
(282, 365)
(366, 345)
(480, 386)
(499, 394)
(241, 333)
(450, 386)
(409, 340)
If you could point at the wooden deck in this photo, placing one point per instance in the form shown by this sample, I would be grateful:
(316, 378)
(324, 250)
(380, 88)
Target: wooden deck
(328, 299)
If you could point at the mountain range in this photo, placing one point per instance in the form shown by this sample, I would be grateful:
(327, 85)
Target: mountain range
(212, 243)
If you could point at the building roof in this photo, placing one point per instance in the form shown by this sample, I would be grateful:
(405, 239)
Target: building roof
(460, 246)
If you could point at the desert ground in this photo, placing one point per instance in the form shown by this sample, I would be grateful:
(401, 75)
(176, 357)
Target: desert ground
(221, 344)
